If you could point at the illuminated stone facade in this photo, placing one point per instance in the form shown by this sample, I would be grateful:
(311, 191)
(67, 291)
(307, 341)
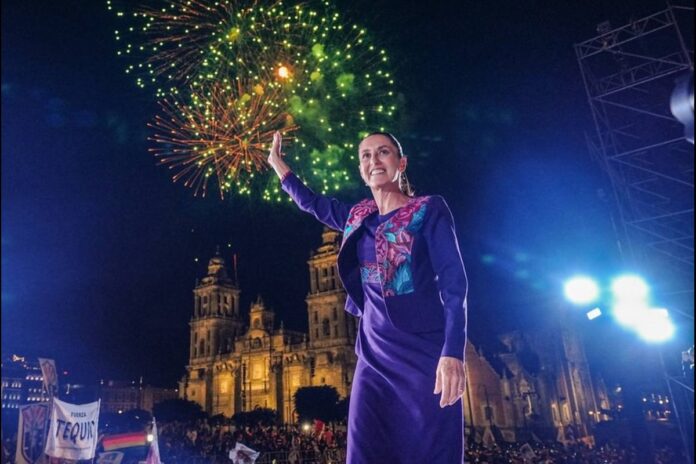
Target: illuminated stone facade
(235, 366)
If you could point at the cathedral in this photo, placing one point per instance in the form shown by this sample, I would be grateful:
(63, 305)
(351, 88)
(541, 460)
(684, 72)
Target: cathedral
(538, 385)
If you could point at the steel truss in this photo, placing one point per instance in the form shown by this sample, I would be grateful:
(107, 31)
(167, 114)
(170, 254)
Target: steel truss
(629, 74)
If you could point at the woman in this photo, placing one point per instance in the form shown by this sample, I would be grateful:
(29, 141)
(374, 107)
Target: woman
(400, 265)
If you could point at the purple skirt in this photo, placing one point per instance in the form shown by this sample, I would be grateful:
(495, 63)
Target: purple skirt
(394, 417)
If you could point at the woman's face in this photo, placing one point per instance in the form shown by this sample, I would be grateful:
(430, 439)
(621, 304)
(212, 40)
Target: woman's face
(380, 163)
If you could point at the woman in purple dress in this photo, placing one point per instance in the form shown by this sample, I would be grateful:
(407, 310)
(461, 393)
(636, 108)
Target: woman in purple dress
(402, 270)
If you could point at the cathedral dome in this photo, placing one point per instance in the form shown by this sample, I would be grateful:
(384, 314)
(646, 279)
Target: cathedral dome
(216, 266)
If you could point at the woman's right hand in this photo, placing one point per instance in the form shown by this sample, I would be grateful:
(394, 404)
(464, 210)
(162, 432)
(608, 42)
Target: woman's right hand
(275, 157)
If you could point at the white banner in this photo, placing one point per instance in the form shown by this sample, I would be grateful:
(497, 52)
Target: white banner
(111, 457)
(50, 376)
(73, 430)
(31, 433)
(241, 454)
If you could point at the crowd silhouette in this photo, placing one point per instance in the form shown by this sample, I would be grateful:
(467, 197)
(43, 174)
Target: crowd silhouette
(198, 442)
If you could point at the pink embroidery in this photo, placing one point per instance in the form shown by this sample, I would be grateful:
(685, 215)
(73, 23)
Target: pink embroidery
(394, 242)
(358, 213)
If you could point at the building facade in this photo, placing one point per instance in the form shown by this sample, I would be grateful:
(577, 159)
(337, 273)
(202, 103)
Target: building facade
(22, 382)
(236, 366)
(121, 396)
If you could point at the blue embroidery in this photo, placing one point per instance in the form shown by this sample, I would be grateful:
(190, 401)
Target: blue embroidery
(369, 273)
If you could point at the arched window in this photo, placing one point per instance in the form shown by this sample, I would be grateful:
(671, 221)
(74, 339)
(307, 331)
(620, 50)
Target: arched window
(326, 329)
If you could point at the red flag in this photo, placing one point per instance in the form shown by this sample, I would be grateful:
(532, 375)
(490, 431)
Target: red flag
(318, 426)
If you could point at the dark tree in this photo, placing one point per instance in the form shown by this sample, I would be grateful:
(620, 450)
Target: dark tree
(342, 409)
(263, 416)
(177, 410)
(317, 403)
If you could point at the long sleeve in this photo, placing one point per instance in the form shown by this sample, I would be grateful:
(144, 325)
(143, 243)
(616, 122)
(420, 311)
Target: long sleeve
(451, 276)
(329, 211)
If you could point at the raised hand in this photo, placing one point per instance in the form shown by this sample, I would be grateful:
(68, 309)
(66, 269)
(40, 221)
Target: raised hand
(275, 157)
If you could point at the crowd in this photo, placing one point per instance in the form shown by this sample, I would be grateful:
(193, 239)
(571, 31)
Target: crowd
(201, 442)
(554, 452)
(182, 442)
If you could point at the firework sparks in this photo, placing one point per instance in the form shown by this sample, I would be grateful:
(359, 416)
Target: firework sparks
(325, 74)
(193, 41)
(224, 133)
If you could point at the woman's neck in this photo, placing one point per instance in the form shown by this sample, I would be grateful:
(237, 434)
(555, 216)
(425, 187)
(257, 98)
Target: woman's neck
(389, 199)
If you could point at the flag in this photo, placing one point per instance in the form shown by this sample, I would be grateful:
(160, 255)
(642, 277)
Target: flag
(31, 433)
(153, 454)
(124, 440)
(241, 454)
(73, 430)
(527, 452)
(50, 376)
(111, 457)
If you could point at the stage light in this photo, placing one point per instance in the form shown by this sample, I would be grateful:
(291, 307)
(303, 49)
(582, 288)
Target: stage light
(150, 437)
(682, 104)
(656, 326)
(630, 288)
(630, 313)
(306, 427)
(581, 290)
(594, 314)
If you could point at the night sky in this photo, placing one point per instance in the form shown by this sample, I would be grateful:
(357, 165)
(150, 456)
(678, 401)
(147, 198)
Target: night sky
(100, 250)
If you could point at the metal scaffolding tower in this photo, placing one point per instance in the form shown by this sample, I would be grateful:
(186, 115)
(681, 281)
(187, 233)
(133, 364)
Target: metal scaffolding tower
(629, 74)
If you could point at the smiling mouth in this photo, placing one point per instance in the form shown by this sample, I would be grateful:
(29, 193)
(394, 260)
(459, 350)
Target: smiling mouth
(376, 172)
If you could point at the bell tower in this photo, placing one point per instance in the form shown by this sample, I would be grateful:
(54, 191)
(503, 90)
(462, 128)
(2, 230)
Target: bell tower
(216, 319)
(329, 324)
(331, 329)
(260, 319)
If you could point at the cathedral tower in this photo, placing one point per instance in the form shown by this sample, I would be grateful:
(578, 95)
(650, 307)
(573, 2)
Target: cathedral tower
(215, 324)
(331, 329)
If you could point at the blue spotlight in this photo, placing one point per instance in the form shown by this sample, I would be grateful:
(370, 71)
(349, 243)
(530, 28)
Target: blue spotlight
(655, 326)
(581, 290)
(630, 313)
(630, 288)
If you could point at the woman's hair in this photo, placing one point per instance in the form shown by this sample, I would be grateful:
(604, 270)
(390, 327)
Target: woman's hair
(404, 184)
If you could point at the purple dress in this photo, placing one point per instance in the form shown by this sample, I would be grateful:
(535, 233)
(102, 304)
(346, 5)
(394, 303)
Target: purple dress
(405, 279)
(394, 416)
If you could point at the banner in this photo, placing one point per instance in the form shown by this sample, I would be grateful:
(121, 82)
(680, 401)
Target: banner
(31, 433)
(50, 376)
(241, 454)
(112, 457)
(73, 430)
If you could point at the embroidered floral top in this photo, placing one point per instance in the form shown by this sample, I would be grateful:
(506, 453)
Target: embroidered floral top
(369, 269)
(418, 263)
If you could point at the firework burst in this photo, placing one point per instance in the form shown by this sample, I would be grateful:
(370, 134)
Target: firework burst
(223, 133)
(325, 74)
(193, 41)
